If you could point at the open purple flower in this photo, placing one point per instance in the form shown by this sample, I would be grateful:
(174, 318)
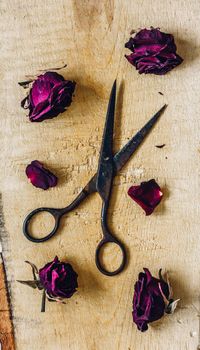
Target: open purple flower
(153, 52)
(40, 176)
(59, 279)
(50, 95)
(148, 195)
(152, 298)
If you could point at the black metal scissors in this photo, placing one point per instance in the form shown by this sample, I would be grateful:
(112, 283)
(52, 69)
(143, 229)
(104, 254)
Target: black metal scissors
(101, 182)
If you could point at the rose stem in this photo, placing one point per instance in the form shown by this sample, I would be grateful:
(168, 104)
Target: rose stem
(43, 301)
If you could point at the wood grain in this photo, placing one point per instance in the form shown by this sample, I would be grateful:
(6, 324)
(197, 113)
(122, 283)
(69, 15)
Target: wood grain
(6, 327)
(89, 36)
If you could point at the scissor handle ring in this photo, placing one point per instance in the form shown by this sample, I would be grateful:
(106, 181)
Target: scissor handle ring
(54, 212)
(98, 261)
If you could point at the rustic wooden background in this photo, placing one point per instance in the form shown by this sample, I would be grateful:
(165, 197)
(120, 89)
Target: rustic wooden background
(89, 36)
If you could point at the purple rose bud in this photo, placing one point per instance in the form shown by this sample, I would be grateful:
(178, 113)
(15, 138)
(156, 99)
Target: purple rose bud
(50, 95)
(148, 195)
(58, 279)
(153, 52)
(39, 176)
(152, 298)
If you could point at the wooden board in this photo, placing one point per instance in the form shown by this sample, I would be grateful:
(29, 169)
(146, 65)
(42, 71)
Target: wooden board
(89, 36)
(6, 326)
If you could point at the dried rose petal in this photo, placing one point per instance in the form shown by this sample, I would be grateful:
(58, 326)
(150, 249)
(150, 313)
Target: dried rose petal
(148, 195)
(50, 95)
(40, 176)
(153, 52)
(59, 279)
(152, 298)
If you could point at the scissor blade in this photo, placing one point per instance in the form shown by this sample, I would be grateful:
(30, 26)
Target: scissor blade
(125, 153)
(105, 168)
(107, 139)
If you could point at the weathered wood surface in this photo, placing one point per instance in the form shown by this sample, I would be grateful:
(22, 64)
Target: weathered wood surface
(6, 327)
(89, 36)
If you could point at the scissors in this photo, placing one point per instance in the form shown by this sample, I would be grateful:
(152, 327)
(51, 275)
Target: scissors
(101, 182)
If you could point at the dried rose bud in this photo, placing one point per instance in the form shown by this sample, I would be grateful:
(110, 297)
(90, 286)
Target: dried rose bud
(148, 195)
(57, 279)
(40, 176)
(153, 52)
(50, 95)
(152, 298)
